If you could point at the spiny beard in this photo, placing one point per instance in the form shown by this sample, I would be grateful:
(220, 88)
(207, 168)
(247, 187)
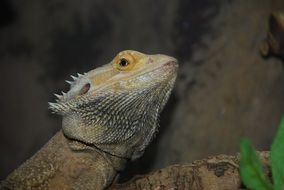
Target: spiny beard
(127, 118)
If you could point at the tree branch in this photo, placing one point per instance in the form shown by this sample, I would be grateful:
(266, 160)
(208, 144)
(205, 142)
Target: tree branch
(214, 173)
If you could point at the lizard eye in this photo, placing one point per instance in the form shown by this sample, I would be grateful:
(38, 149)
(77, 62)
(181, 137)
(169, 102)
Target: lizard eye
(123, 62)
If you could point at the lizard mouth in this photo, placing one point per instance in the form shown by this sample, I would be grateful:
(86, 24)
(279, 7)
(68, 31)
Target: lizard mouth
(171, 65)
(166, 69)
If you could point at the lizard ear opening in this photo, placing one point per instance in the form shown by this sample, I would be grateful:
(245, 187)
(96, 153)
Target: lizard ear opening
(85, 89)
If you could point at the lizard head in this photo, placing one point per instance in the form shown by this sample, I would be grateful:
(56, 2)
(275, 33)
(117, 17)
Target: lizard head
(116, 107)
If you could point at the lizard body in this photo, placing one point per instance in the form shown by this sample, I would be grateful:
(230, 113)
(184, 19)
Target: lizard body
(110, 115)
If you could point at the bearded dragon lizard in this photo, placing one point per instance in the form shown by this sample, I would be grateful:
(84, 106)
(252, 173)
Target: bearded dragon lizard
(110, 115)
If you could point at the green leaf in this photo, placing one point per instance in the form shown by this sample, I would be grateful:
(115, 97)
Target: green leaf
(277, 158)
(251, 170)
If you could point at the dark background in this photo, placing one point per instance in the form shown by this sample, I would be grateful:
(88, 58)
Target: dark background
(225, 89)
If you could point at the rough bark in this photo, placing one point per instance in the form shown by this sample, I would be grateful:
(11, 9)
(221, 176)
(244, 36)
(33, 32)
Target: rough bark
(214, 173)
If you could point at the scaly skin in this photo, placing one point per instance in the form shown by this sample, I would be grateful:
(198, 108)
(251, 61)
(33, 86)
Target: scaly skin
(109, 115)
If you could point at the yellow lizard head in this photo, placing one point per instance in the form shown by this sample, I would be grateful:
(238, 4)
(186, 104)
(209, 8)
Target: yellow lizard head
(129, 70)
(112, 103)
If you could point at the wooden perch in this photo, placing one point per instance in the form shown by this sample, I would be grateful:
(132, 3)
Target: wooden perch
(214, 173)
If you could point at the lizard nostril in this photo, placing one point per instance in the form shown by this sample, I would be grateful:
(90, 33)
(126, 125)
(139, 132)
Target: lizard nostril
(85, 89)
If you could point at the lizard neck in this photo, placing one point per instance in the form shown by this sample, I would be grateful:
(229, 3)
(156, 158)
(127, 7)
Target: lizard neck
(116, 161)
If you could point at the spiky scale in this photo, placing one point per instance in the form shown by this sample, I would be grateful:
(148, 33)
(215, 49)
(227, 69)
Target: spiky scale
(51, 105)
(73, 77)
(58, 96)
(69, 82)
